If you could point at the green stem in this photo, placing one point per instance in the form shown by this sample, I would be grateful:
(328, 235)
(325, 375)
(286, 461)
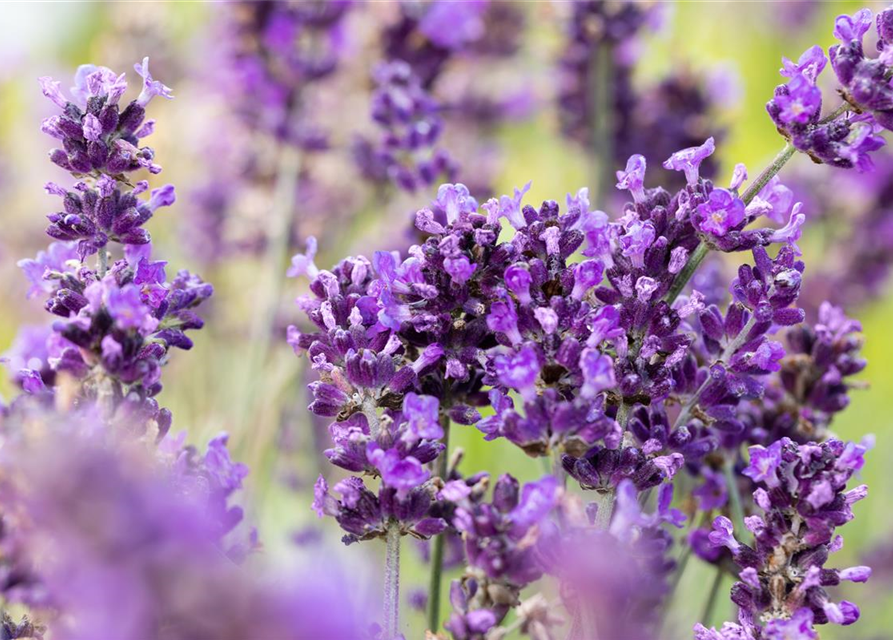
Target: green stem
(768, 173)
(436, 580)
(271, 282)
(694, 261)
(601, 78)
(707, 616)
(735, 498)
(103, 262)
(392, 582)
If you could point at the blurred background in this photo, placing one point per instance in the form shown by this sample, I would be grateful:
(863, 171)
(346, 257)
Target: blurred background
(507, 103)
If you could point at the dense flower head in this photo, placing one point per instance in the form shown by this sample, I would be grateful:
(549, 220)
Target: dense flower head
(116, 323)
(273, 53)
(98, 137)
(801, 490)
(841, 139)
(500, 538)
(396, 450)
(407, 150)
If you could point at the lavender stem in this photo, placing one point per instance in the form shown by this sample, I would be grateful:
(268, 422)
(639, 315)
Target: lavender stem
(711, 599)
(434, 585)
(734, 497)
(103, 261)
(392, 582)
(601, 78)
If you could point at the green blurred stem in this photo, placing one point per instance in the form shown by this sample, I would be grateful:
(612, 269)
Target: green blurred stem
(707, 616)
(601, 78)
(436, 580)
(278, 239)
(392, 582)
(271, 281)
(735, 498)
(103, 262)
(701, 251)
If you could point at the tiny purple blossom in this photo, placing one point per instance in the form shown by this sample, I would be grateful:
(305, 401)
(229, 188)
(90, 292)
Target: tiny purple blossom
(302, 263)
(151, 87)
(810, 64)
(792, 231)
(504, 319)
(678, 258)
(456, 201)
(598, 372)
(92, 128)
(852, 29)
(645, 288)
(723, 534)
(722, 212)
(519, 371)
(162, 197)
(587, 274)
(764, 464)
(396, 471)
(459, 268)
(688, 160)
(51, 90)
(422, 417)
(510, 208)
(518, 281)
(801, 101)
(547, 318)
(635, 242)
(739, 177)
(633, 177)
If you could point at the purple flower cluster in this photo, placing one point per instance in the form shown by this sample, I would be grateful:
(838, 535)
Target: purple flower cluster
(396, 450)
(97, 136)
(801, 490)
(841, 139)
(117, 323)
(82, 502)
(865, 81)
(464, 311)
(275, 51)
(501, 560)
(407, 150)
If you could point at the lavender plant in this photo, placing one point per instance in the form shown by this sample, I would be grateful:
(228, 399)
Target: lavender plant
(579, 339)
(589, 341)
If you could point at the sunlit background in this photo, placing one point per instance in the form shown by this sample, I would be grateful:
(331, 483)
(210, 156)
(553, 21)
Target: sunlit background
(242, 380)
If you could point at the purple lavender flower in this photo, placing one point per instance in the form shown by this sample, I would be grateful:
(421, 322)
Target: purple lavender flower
(119, 321)
(689, 160)
(407, 151)
(841, 140)
(782, 588)
(102, 501)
